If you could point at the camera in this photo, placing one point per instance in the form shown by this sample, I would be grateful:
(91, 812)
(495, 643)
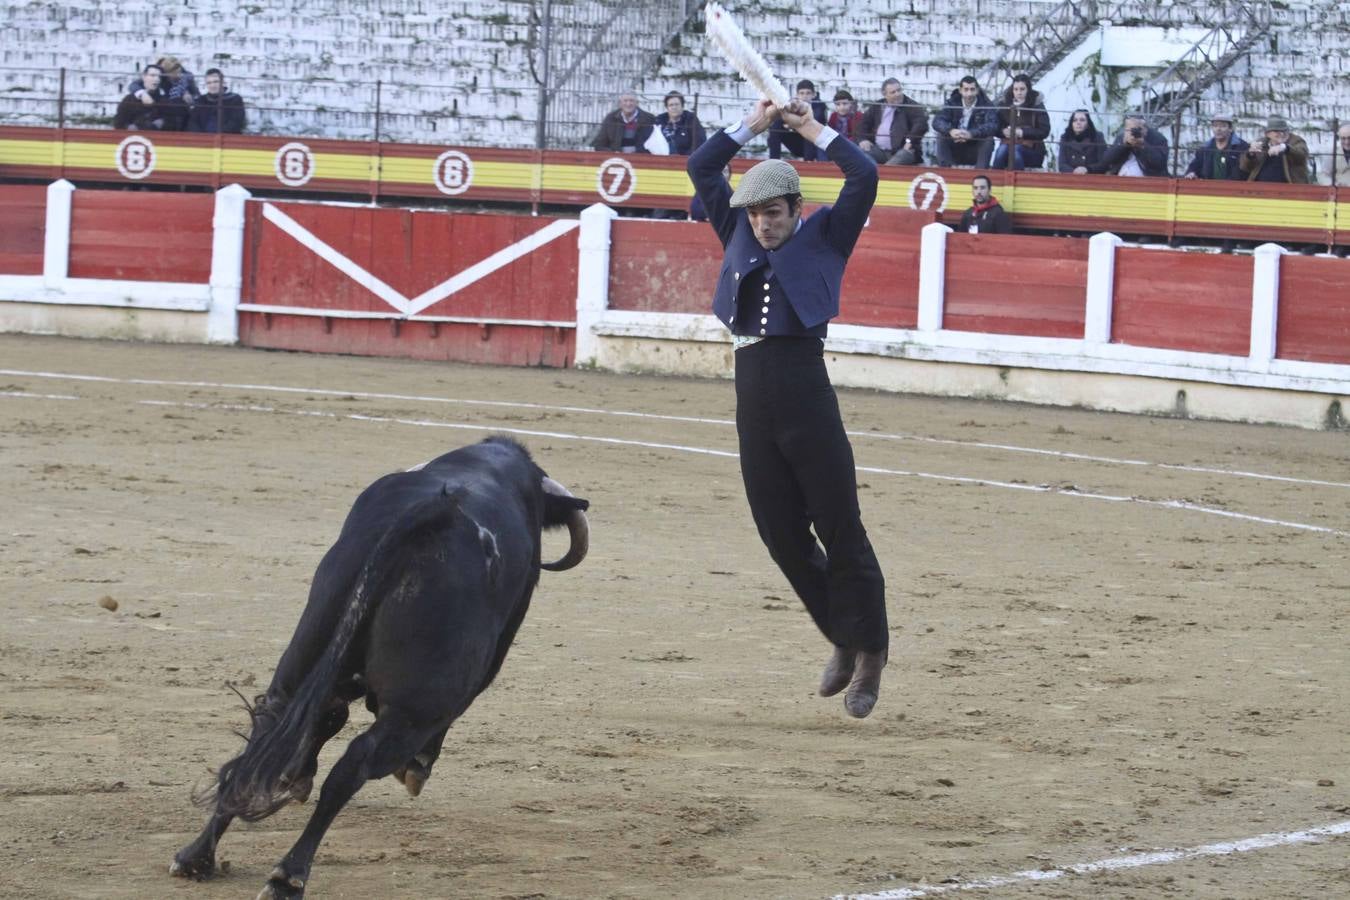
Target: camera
(1137, 131)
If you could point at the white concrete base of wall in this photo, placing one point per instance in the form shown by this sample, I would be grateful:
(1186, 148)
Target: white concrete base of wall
(165, 325)
(1108, 392)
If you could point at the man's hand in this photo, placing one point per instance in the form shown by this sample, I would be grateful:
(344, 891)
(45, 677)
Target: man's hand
(1190, 175)
(761, 116)
(960, 135)
(797, 116)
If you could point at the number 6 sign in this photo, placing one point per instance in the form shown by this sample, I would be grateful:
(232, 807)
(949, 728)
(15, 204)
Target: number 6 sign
(927, 188)
(615, 180)
(453, 172)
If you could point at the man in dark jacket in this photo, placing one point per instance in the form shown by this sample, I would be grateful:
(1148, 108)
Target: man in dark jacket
(966, 127)
(1221, 157)
(1138, 150)
(218, 111)
(986, 216)
(626, 129)
(147, 106)
(781, 136)
(892, 131)
(778, 289)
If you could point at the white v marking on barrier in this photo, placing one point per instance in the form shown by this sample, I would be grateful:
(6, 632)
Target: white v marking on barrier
(503, 257)
(335, 259)
(452, 285)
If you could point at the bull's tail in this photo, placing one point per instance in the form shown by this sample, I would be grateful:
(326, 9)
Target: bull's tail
(263, 778)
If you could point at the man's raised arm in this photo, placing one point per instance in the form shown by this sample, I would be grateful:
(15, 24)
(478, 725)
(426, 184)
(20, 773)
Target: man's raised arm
(707, 162)
(855, 200)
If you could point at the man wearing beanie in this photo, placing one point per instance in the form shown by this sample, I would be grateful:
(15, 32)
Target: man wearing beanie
(778, 289)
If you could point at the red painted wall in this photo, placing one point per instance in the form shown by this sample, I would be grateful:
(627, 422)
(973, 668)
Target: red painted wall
(1011, 284)
(23, 228)
(663, 266)
(1183, 301)
(658, 266)
(143, 236)
(1314, 312)
(411, 252)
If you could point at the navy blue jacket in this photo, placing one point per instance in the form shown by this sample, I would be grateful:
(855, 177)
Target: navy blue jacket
(983, 118)
(1202, 166)
(214, 113)
(810, 265)
(1152, 156)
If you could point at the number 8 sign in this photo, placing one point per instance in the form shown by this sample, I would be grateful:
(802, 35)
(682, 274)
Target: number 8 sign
(615, 180)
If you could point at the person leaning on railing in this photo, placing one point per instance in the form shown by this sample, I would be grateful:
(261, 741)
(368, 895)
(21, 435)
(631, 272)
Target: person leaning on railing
(965, 127)
(147, 106)
(1341, 162)
(1081, 145)
(1221, 157)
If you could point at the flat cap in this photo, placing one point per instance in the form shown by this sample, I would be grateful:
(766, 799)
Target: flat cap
(1277, 123)
(1223, 117)
(765, 181)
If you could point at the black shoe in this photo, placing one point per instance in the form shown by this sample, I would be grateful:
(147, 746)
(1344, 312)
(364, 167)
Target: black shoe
(866, 684)
(838, 672)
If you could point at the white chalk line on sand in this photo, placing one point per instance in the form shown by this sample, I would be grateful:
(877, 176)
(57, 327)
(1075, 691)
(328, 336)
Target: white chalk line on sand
(729, 454)
(1115, 863)
(698, 420)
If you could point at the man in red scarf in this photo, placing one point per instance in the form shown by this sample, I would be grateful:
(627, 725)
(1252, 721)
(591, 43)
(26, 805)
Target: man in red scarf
(986, 216)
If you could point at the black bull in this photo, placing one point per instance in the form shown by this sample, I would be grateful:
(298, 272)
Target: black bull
(413, 608)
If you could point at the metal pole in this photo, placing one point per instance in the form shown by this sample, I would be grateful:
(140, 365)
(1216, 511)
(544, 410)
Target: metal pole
(378, 91)
(1335, 147)
(546, 48)
(61, 101)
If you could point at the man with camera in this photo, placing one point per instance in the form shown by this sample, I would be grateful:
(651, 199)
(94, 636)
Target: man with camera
(1281, 157)
(1139, 150)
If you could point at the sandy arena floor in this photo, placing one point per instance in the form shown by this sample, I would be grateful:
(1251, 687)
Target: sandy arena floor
(1151, 654)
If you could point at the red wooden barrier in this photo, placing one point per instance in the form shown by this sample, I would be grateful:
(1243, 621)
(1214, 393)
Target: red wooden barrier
(1314, 311)
(663, 266)
(141, 237)
(23, 228)
(317, 258)
(1010, 284)
(1183, 301)
(672, 267)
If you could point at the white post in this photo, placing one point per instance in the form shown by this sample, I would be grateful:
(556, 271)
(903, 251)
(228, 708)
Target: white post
(1101, 287)
(227, 265)
(932, 275)
(592, 278)
(1265, 304)
(56, 244)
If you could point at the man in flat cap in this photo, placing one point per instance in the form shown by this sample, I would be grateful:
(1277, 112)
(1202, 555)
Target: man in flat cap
(777, 291)
(1280, 157)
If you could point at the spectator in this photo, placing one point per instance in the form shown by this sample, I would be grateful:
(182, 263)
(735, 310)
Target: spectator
(626, 129)
(966, 127)
(680, 127)
(781, 136)
(892, 130)
(1081, 145)
(1279, 157)
(1221, 157)
(1341, 163)
(1137, 151)
(143, 109)
(1024, 125)
(180, 90)
(846, 118)
(985, 216)
(218, 111)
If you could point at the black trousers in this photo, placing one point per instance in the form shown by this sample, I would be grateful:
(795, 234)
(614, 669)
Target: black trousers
(798, 469)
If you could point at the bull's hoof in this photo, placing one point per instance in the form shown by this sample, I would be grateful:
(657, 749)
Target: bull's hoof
(282, 886)
(197, 868)
(414, 775)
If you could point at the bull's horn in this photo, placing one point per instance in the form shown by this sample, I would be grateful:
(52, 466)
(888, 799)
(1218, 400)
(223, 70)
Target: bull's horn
(577, 527)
